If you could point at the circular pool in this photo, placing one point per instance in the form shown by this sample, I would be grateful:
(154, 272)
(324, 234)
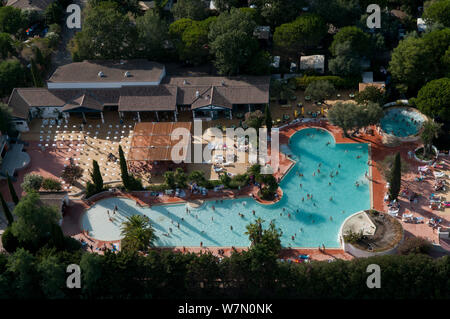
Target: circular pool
(402, 121)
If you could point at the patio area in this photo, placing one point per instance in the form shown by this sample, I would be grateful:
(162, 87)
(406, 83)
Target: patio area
(14, 160)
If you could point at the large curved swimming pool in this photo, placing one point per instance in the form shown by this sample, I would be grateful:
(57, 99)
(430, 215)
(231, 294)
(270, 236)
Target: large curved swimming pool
(312, 222)
(402, 122)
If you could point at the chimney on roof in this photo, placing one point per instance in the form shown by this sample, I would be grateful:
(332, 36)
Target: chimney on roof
(100, 74)
(197, 93)
(127, 74)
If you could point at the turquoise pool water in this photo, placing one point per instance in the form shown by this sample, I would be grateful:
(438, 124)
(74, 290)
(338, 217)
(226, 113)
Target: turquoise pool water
(311, 226)
(401, 122)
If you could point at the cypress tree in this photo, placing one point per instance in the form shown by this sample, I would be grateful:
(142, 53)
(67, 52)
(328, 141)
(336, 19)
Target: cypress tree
(12, 191)
(8, 214)
(35, 74)
(268, 119)
(395, 178)
(96, 176)
(124, 168)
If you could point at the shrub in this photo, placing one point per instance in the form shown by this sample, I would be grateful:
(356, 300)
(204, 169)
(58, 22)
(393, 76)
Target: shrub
(353, 238)
(9, 241)
(238, 181)
(32, 182)
(72, 173)
(71, 244)
(337, 81)
(134, 184)
(51, 184)
(414, 245)
(53, 39)
(90, 189)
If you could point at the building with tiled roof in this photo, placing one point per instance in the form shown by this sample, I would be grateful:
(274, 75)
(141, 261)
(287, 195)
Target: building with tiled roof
(136, 86)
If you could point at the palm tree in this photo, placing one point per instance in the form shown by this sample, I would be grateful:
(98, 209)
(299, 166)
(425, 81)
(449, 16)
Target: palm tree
(138, 233)
(430, 131)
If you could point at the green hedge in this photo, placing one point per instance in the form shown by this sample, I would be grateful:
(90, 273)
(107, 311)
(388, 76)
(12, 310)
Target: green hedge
(338, 82)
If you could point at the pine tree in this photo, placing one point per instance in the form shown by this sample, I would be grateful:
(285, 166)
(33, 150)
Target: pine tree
(12, 191)
(124, 169)
(6, 210)
(268, 119)
(395, 178)
(96, 176)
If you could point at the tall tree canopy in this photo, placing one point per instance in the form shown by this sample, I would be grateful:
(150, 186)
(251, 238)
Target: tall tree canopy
(191, 39)
(395, 178)
(418, 60)
(106, 34)
(434, 99)
(277, 12)
(338, 12)
(437, 11)
(34, 221)
(152, 35)
(189, 9)
(6, 45)
(304, 32)
(232, 41)
(11, 19)
(12, 75)
(358, 40)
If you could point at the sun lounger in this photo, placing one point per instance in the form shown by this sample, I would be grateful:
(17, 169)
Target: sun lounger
(423, 168)
(439, 174)
(393, 213)
(407, 217)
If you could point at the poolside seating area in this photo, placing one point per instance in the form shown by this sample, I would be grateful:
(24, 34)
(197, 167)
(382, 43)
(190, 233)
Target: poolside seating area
(81, 144)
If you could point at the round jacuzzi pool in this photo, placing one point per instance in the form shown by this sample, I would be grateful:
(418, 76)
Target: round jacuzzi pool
(402, 121)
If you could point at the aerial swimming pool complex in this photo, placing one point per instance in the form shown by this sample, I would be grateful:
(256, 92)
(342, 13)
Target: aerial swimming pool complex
(327, 184)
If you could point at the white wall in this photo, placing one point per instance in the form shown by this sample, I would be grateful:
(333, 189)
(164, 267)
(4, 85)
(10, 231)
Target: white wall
(21, 125)
(46, 112)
